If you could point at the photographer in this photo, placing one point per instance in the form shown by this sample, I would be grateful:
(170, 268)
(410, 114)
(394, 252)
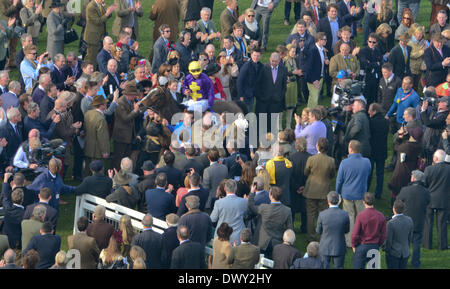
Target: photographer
(434, 120)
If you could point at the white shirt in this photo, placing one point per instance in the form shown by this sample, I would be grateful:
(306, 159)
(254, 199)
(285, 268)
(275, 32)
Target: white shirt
(322, 57)
(20, 159)
(264, 3)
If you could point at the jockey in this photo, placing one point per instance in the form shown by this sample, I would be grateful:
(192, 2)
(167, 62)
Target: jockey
(197, 86)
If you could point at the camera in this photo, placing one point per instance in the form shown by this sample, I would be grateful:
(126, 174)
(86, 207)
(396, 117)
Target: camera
(55, 148)
(348, 93)
(431, 98)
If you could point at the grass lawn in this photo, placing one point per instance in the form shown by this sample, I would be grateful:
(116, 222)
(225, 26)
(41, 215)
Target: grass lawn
(278, 33)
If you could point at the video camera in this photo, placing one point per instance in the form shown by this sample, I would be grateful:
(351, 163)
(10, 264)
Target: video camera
(55, 148)
(348, 92)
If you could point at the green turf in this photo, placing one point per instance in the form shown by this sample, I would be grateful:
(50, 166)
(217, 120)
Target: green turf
(278, 33)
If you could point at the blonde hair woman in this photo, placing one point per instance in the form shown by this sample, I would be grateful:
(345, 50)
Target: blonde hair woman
(127, 233)
(418, 45)
(265, 175)
(385, 40)
(291, 90)
(110, 257)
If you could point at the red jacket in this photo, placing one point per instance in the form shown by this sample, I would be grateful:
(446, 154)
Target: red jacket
(218, 89)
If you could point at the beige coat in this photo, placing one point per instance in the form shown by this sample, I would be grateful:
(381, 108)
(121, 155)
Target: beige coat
(221, 252)
(30, 228)
(123, 17)
(338, 63)
(30, 21)
(88, 249)
(165, 12)
(319, 170)
(416, 57)
(97, 135)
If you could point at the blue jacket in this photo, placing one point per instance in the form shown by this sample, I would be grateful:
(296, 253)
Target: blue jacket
(56, 185)
(102, 59)
(46, 129)
(411, 101)
(159, 203)
(351, 181)
(247, 79)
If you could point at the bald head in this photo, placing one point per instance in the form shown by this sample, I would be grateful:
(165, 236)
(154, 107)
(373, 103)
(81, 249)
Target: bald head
(275, 59)
(34, 133)
(60, 104)
(107, 43)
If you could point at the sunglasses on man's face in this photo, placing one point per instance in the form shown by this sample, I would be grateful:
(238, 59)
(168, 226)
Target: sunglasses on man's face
(251, 15)
(406, 18)
(196, 70)
(373, 42)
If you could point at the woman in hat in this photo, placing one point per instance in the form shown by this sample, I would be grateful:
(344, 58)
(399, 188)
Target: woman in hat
(228, 70)
(56, 26)
(212, 71)
(409, 148)
(31, 16)
(124, 195)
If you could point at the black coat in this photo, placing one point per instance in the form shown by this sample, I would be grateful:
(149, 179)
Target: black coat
(47, 104)
(396, 58)
(437, 180)
(192, 163)
(151, 242)
(189, 255)
(199, 225)
(416, 198)
(29, 196)
(51, 214)
(47, 246)
(98, 185)
(348, 18)
(201, 193)
(309, 263)
(386, 93)
(379, 130)
(324, 26)
(68, 72)
(170, 242)
(58, 78)
(269, 92)
(298, 179)
(14, 141)
(371, 61)
(12, 222)
(435, 73)
(284, 256)
(112, 82)
(174, 176)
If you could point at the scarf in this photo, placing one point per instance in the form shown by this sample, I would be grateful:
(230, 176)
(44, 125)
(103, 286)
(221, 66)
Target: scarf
(270, 167)
(252, 26)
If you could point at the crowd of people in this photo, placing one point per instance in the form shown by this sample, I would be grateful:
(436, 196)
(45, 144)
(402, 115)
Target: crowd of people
(127, 128)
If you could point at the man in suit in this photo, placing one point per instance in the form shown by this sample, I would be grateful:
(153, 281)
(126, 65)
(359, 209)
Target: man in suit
(56, 27)
(33, 226)
(400, 55)
(302, 35)
(264, 10)
(247, 80)
(151, 242)
(114, 81)
(4, 81)
(351, 183)
(169, 240)
(198, 222)
(12, 133)
(332, 224)
(195, 190)
(97, 136)
(87, 246)
(99, 229)
(51, 214)
(240, 42)
(161, 48)
(230, 209)
(73, 66)
(437, 60)
(184, 50)
(438, 182)
(275, 218)
(174, 175)
(13, 210)
(47, 103)
(370, 59)
(104, 54)
(166, 12)
(231, 51)
(39, 92)
(330, 25)
(315, 69)
(127, 15)
(124, 131)
(379, 130)
(320, 169)
(191, 162)
(228, 17)
(416, 198)
(18, 182)
(399, 231)
(160, 201)
(98, 184)
(232, 161)
(212, 176)
(61, 80)
(284, 254)
(246, 255)
(271, 90)
(96, 18)
(11, 97)
(190, 254)
(46, 244)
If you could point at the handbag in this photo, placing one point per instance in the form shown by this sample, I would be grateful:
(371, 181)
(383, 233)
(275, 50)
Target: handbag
(70, 36)
(19, 30)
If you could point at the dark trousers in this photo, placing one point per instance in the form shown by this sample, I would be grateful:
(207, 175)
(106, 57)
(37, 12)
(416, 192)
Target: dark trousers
(313, 208)
(2, 64)
(441, 224)
(121, 150)
(379, 174)
(360, 257)
(416, 243)
(371, 90)
(268, 251)
(338, 261)
(78, 157)
(287, 10)
(396, 262)
(302, 89)
(268, 109)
